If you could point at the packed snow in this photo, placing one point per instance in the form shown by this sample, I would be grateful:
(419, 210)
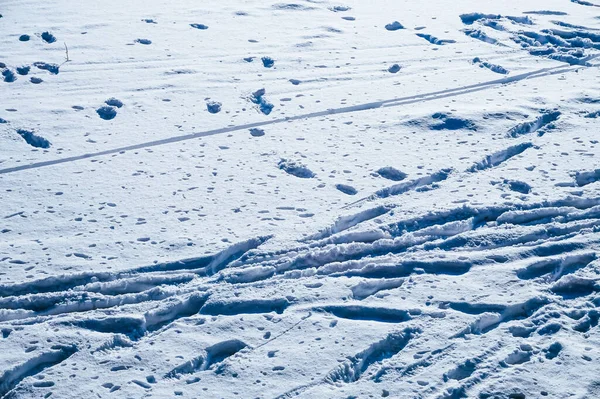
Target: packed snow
(317, 199)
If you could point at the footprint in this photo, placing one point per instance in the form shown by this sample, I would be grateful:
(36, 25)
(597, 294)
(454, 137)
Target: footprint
(24, 38)
(491, 67)
(23, 70)
(391, 173)
(52, 68)
(255, 132)
(48, 37)
(259, 99)
(106, 112)
(9, 76)
(113, 102)
(268, 62)
(394, 26)
(450, 123)
(149, 21)
(394, 68)
(33, 139)
(213, 107)
(35, 81)
(346, 189)
(295, 169)
(199, 26)
(518, 186)
(143, 41)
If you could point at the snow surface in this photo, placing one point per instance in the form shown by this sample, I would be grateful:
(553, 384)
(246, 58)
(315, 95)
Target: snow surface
(255, 199)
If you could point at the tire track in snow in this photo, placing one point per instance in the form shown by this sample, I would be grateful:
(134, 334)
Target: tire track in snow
(333, 111)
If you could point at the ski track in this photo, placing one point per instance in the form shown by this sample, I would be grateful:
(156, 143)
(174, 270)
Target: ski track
(335, 111)
(384, 265)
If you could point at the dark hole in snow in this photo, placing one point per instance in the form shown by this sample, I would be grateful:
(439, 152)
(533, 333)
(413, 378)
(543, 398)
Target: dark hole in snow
(199, 26)
(257, 132)
(143, 41)
(35, 80)
(24, 38)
